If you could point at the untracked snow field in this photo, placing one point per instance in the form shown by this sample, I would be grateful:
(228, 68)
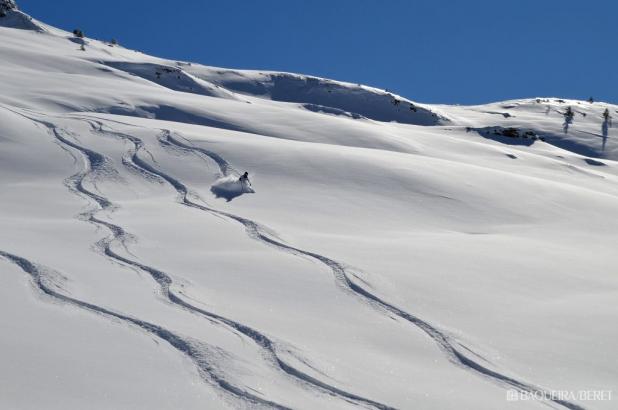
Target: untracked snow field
(388, 254)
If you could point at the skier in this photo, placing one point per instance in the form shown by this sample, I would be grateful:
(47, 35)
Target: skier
(244, 179)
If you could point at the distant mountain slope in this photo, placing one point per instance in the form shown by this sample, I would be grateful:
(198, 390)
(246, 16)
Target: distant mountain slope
(368, 102)
(591, 131)
(587, 133)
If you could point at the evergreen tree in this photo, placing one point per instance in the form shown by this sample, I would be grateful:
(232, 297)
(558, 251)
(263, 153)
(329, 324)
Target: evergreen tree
(6, 6)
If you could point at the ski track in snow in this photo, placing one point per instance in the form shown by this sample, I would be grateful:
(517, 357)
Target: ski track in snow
(342, 275)
(97, 164)
(164, 280)
(195, 351)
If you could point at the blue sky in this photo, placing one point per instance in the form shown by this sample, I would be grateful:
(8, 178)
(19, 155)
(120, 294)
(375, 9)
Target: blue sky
(434, 51)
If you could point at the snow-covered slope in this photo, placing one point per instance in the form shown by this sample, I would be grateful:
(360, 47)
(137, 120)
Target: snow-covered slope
(389, 254)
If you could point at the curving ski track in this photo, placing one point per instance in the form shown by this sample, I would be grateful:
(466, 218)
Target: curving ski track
(188, 348)
(95, 164)
(258, 232)
(165, 281)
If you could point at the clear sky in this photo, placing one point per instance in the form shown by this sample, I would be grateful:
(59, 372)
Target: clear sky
(434, 51)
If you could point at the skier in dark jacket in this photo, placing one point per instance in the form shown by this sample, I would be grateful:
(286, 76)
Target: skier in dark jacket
(244, 179)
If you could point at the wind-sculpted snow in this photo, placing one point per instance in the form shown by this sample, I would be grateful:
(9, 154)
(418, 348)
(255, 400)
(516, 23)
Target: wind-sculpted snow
(331, 111)
(172, 77)
(360, 101)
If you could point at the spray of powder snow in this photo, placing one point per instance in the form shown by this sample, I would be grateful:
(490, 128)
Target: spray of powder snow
(230, 187)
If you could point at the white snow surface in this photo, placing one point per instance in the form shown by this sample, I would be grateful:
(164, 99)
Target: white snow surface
(388, 254)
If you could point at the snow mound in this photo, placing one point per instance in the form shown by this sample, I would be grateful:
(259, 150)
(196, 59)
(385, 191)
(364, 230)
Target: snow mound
(230, 187)
(364, 101)
(331, 111)
(174, 78)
